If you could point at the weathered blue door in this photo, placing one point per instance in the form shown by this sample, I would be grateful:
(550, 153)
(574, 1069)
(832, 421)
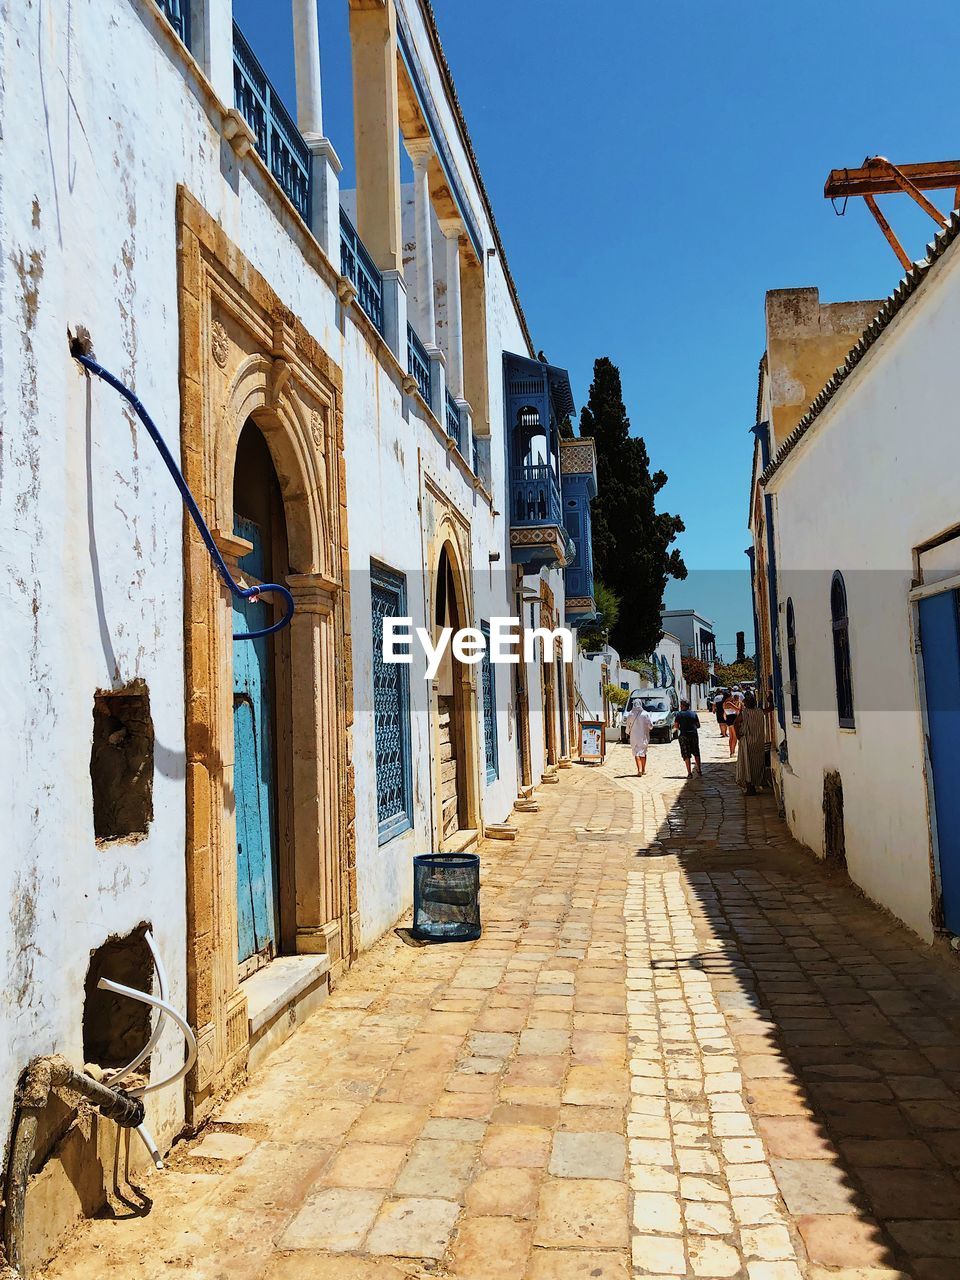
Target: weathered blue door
(254, 766)
(940, 646)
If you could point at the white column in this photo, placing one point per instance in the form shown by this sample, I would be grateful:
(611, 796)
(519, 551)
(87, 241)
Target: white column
(324, 162)
(451, 228)
(306, 52)
(420, 152)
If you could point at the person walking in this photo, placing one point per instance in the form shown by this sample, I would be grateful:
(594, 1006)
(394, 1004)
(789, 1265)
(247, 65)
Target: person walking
(639, 727)
(751, 731)
(688, 725)
(731, 709)
(718, 696)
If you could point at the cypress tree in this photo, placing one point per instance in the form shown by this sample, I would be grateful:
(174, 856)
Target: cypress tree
(631, 539)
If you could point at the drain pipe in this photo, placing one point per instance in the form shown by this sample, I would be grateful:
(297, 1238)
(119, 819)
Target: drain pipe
(41, 1077)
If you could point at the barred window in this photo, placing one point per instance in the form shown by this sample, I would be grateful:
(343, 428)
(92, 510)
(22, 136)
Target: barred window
(391, 710)
(792, 664)
(841, 651)
(489, 708)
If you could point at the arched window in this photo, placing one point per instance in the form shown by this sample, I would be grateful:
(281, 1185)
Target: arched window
(792, 663)
(841, 651)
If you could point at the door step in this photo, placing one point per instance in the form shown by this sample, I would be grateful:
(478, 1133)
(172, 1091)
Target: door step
(280, 997)
(525, 804)
(500, 831)
(461, 841)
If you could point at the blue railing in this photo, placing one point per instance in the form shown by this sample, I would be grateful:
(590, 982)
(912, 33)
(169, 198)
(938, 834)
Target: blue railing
(278, 140)
(534, 494)
(418, 363)
(357, 265)
(177, 13)
(454, 422)
(476, 457)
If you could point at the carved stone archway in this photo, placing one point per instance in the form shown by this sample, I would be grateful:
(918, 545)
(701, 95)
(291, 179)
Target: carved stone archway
(245, 356)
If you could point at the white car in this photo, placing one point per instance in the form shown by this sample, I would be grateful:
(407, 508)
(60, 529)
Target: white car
(662, 705)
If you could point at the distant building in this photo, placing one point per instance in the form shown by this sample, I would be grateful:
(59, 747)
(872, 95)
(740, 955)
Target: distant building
(696, 638)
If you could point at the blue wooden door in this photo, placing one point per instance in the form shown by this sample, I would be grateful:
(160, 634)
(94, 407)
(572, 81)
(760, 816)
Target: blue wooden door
(254, 766)
(940, 646)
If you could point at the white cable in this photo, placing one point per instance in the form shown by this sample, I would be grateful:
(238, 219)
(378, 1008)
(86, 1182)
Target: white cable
(155, 1034)
(146, 1137)
(105, 984)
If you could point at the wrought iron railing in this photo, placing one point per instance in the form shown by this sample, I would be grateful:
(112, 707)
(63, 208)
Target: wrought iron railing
(357, 265)
(418, 363)
(534, 494)
(177, 13)
(278, 140)
(454, 422)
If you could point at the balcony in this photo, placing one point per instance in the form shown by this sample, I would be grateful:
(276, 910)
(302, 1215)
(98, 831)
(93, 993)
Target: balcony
(454, 423)
(277, 138)
(418, 363)
(360, 269)
(177, 13)
(538, 398)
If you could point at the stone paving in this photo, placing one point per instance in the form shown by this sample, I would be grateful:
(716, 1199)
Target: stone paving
(681, 1048)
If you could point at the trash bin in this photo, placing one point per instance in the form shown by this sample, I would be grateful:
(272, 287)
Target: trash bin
(446, 897)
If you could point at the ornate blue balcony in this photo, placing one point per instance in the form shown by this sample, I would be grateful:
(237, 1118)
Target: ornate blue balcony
(357, 265)
(418, 362)
(537, 399)
(278, 140)
(177, 13)
(454, 423)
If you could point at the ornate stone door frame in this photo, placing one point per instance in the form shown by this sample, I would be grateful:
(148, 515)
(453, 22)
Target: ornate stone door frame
(244, 355)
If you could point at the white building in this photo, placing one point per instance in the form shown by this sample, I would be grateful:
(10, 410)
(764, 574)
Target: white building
(866, 541)
(362, 423)
(696, 639)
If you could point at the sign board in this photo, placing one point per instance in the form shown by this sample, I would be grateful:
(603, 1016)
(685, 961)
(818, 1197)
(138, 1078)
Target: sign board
(592, 741)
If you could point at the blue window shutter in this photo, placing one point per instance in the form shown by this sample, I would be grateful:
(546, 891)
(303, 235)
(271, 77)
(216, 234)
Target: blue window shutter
(391, 711)
(489, 708)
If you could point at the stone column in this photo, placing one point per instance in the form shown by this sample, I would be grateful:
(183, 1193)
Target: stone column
(211, 43)
(316, 800)
(376, 120)
(451, 228)
(421, 152)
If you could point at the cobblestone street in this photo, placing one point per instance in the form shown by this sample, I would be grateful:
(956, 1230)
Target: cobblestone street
(681, 1048)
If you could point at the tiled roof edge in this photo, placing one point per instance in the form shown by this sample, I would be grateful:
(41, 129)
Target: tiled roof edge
(441, 57)
(890, 308)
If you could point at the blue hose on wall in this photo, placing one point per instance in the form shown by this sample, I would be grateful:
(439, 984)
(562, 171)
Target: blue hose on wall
(244, 593)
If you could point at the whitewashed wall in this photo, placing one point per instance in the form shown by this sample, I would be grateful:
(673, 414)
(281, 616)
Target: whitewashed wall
(869, 483)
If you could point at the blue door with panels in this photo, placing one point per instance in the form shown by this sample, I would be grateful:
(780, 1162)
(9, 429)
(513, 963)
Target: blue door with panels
(940, 647)
(254, 772)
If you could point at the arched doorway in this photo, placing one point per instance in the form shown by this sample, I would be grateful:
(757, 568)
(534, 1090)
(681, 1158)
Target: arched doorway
(260, 689)
(454, 718)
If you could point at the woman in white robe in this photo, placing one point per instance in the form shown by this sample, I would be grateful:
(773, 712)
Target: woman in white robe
(640, 726)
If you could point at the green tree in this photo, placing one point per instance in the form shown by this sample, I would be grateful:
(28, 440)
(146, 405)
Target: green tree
(594, 635)
(631, 539)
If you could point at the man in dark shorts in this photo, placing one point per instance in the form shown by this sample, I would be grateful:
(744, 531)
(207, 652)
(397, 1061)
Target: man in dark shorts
(688, 724)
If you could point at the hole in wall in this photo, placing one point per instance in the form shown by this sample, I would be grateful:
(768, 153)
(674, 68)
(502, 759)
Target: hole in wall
(115, 1028)
(121, 762)
(834, 847)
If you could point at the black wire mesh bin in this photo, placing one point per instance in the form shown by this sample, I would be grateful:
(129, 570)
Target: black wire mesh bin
(446, 897)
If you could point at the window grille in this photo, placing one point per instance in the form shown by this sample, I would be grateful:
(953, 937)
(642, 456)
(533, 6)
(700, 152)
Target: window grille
(391, 711)
(792, 686)
(489, 707)
(841, 652)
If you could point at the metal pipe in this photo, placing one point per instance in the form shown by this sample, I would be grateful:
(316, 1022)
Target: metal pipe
(244, 593)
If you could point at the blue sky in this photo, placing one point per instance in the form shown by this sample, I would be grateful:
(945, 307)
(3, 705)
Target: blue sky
(654, 170)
